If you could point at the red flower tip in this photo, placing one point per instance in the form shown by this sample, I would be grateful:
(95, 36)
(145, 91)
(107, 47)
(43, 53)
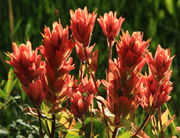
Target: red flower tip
(36, 91)
(80, 50)
(82, 24)
(56, 45)
(26, 61)
(79, 103)
(161, 63)
(131, 49)
(110, 25)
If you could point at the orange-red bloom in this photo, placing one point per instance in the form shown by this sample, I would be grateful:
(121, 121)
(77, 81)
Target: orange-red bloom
(30, 70)
(110, 25)
(156, 93)
(81, 96)
(82, 24)
(36, 91)
(131, 49)
(161, 63)
(80, 50)
(157, 83)
(56, 49)
(80, 104)
(122, 88)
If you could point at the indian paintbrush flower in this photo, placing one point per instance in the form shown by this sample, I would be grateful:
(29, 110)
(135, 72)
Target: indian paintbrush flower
(157, 83)
(30, 70)
(131, 49)
(110, 25)
(82, 24)
(160, 65)
(56, 50)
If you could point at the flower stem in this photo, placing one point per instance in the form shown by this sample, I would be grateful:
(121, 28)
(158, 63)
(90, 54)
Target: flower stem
(53, 126)
(159, 114)
(109, 42)
(143, 125)
(106, 123)
(83, 127)
(87, 60)
(115, 132)
(91, 134)
(40, 125)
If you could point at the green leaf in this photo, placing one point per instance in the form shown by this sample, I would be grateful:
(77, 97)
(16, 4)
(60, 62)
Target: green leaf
(170, 6)
(98, 127)
(125, 135)
(73, 136)
(45, 109)
(11, 82)
(152, 28)
(17, 26)
(2, 94)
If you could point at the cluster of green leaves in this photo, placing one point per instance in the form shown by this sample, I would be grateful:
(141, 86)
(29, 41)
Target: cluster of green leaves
(158, 20)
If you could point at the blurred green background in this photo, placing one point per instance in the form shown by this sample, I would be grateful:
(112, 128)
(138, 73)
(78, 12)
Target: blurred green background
(22, 20)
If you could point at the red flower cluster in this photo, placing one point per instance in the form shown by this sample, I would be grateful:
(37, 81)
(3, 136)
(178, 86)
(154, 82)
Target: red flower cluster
(56, 50)
(30, 70)
(157, 83)
(81, 95)
(123, 79)
(126, 86)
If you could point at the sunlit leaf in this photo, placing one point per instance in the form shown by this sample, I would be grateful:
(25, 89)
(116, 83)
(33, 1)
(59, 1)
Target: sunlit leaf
(45, 110)
(11, 82)
(127, 134)
(98, 127)
(2, 94)
(170, 6)
(164, 117)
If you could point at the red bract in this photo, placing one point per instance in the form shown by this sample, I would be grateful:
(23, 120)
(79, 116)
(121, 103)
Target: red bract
(80, 50)
(157, 83)
(156, 93)
(131, 49)
(160, 65)
(30, 70)
(93, 61)
(82, 24)
(81, 96)
(110, 25)
(56, 46)
(56, 49)
(87, 85)
(36, 91)
(122, 88)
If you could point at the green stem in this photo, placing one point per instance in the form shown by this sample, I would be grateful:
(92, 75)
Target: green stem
(40, 125)
(115, 132)
(159, 114)
(170, 115)
(143, 125)
(92, 134)
(53, 126)
(109, 52)
(83, 127)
